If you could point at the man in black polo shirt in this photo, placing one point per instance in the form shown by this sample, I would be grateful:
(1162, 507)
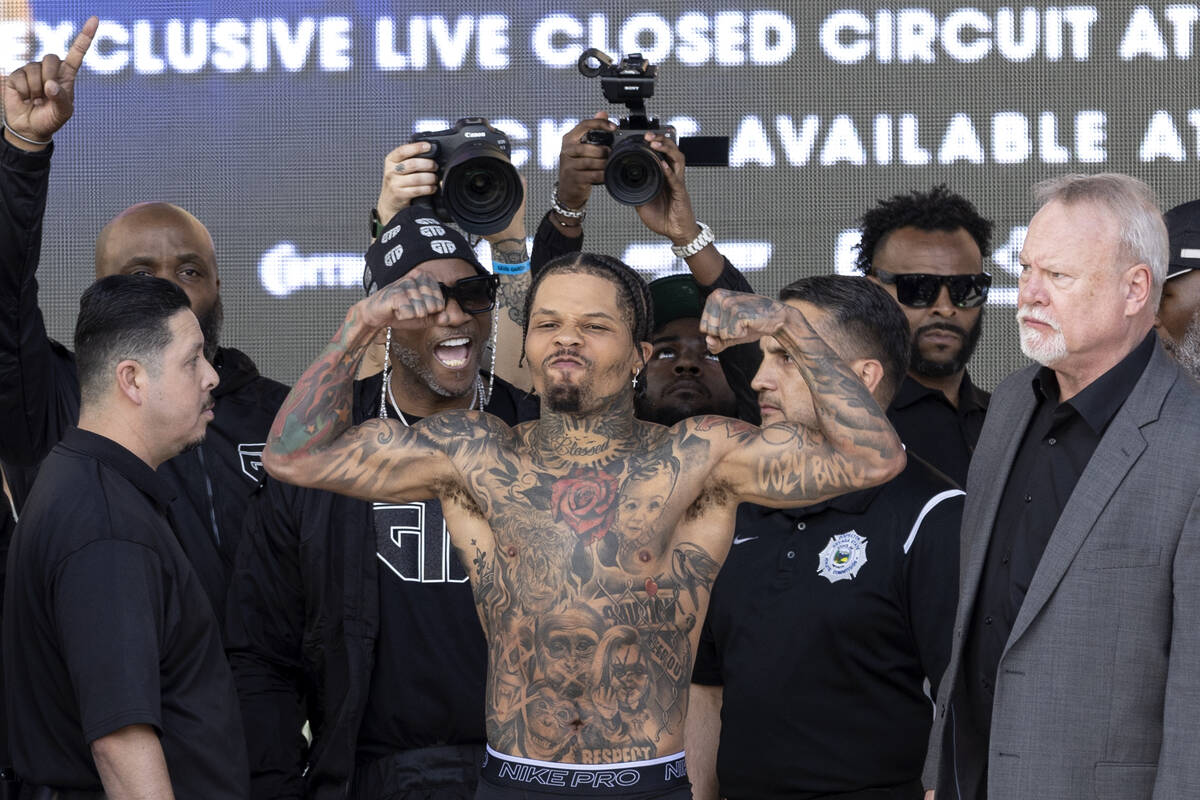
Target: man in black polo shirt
(114, 675)
(825, 622)
(927, 249)
(1076, 654)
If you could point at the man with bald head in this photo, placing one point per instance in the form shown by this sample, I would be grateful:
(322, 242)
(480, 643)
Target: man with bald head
(165, 241)
(39, 388)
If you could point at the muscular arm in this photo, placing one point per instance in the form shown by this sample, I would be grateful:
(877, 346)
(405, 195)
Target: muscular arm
(312, 442)
(131, 764)
(789, 464)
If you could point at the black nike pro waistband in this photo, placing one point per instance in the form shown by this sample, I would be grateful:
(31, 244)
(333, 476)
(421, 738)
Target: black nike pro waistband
(615, 780)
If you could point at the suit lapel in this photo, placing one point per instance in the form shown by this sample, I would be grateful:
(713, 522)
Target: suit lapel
(1118, 451)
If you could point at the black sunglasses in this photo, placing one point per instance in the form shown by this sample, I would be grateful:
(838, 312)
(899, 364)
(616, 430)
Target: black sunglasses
(920, 290)
(475, 295)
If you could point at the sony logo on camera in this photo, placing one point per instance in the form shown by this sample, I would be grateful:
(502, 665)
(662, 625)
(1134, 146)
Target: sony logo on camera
(632, 174)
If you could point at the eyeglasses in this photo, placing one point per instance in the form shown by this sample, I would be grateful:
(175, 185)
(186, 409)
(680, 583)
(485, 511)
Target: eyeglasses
(921, 290)
(475, 295)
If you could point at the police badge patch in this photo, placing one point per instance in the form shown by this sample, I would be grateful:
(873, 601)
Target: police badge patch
(842, 557)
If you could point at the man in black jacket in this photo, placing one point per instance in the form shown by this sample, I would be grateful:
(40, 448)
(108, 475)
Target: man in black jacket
(39, 389)
(358, 616)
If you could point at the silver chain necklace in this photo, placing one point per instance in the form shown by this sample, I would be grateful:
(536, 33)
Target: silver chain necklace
(477, 401)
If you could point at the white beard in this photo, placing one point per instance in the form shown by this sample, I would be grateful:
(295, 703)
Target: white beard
(1046, 349)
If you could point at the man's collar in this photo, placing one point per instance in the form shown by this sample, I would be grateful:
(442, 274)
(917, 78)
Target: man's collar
(970, 396)
(132, 468)
(1101, 399)
(912, 391)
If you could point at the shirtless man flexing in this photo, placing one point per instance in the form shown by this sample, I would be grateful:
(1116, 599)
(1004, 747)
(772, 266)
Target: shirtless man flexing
(592, 539)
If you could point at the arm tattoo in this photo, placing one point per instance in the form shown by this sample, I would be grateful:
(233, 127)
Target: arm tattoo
(320, 406)
(852, 432)
(511, 294)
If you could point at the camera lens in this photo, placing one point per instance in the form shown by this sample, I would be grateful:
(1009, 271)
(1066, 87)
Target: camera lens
(633, 175)
(482, 190)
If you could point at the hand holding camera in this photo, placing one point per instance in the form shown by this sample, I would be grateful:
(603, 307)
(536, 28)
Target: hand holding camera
(581, 162)
(632, 173)
(477, 187)
(669, 213)
(407, 174)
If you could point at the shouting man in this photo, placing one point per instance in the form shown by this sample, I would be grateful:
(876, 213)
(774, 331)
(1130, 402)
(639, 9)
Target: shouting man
(534, 510)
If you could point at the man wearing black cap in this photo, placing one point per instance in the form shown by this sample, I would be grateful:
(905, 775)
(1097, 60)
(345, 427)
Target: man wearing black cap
(357, 616)
(1178, 320)
(682, 379)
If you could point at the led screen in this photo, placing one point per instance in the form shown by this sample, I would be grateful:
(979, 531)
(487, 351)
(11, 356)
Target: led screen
(270, 122)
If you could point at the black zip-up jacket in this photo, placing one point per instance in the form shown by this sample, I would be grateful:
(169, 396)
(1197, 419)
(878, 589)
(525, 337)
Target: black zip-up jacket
(39, 394)
(303, 621)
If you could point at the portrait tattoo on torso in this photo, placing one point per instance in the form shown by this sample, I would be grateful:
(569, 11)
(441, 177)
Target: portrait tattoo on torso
(587, 584)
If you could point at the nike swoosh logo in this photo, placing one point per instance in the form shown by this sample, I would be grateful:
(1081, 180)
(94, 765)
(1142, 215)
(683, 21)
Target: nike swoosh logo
(743, 539)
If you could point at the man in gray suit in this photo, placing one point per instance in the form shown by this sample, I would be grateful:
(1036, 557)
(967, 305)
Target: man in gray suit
(1075, 669)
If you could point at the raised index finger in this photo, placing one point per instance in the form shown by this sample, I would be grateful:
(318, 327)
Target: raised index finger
(79, 47)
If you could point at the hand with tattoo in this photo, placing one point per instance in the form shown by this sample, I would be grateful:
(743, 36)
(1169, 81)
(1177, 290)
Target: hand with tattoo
(732, 318)
(406, 304)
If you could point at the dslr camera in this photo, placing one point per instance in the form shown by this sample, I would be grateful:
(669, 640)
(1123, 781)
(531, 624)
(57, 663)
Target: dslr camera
(633, 175)
(478, 187)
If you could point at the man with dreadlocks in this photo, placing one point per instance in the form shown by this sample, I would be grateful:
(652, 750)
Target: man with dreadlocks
(592, 607)
(357, 616)
(927, 249)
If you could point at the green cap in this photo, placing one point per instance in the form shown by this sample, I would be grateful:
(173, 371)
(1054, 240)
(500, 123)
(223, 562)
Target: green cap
(675, 297)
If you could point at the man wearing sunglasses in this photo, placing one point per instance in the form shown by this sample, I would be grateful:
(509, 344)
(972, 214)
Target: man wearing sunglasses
(926, 249)
(358, 617)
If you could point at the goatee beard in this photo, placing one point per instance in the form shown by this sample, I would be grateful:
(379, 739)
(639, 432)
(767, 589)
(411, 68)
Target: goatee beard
(929, 368)
(564, 399)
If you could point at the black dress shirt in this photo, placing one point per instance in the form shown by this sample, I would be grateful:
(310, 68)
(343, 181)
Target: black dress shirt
(1053, 453)
(930, 426)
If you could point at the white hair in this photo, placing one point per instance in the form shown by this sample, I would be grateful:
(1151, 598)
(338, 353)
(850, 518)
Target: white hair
(1142, 234)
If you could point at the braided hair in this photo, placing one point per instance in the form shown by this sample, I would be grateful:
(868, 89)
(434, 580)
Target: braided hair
(633, 293)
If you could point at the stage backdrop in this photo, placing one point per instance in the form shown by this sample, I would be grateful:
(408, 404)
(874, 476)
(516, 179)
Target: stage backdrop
(270, 121)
